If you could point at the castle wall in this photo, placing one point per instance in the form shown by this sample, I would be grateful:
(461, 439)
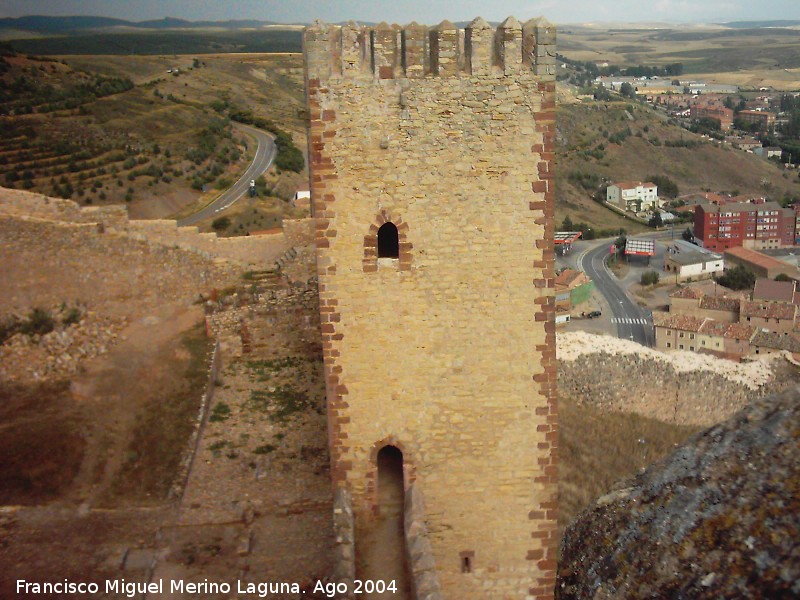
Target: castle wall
(256, 250)
(447, 351)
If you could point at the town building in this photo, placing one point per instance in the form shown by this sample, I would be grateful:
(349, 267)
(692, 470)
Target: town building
(773, 316)
(720, 113)
(764, 119)
(744, 224)
(572, 288)
(759, 263)
(689, 261)
(732, 327)
(768, 152)
(769, 290)
(746, 143)
(634, 196)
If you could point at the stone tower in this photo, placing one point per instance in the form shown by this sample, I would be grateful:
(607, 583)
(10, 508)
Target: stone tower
(431, 156)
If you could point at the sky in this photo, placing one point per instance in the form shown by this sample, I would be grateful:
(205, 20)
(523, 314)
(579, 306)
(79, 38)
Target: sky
(428, 12)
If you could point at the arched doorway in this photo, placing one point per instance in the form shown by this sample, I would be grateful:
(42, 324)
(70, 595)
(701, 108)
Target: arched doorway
(381, 544)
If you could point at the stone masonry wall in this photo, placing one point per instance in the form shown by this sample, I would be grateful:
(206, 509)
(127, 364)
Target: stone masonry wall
(256, 250)
(446, 352)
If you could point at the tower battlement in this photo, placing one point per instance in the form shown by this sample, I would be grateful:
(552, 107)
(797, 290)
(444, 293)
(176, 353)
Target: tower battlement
(431, 155)
(416, 51)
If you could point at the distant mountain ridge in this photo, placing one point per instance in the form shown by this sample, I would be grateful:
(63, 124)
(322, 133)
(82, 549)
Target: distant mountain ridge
(45, 24)
(760, 24)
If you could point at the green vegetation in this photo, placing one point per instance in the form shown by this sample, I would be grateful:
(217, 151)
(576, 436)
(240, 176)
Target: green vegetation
(220, 412)
(738, 278)
(649, 278)
(666, 187)
(656, 221)
(38, 322)
(265, 449)
(221, 224)
(28, 93)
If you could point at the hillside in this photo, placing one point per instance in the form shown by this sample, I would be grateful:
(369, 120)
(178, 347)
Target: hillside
(619, 141)
(152, 132)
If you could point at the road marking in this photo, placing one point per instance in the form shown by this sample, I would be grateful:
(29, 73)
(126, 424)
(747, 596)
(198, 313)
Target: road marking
(629, 321)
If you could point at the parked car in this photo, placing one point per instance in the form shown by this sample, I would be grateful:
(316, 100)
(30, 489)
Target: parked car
(593, 314)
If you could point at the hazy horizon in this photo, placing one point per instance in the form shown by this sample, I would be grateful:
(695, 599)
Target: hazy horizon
(304, 11)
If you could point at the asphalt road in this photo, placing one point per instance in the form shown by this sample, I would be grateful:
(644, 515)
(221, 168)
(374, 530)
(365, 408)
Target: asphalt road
(265, 154)
(632, 321)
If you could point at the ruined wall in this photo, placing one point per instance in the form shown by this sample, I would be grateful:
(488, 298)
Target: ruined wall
(257, 250)
(446, 351)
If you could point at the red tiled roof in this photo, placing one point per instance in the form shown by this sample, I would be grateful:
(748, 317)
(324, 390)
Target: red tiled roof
(768, 310)
(687, 292)
(680, 322)
(776, 341)
(755, 257)
(739, 331)
(736, 331)
(769, 289)
(567, 277)
(720, 303)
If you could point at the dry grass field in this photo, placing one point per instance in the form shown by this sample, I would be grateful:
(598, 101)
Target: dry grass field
(747, 57)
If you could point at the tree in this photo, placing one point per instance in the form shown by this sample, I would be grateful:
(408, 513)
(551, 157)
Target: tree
(627, 90)
(567, 224)
(649, 278)
(738, 278)
(656, 221)
(620, 243)
(221, 224)
(666, 187)
(688, 235)
(601, 93)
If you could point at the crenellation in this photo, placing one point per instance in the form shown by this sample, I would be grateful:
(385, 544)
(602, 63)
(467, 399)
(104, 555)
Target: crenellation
(479, 47)
(444, 49)
(356, 49)
(539, 46)
(385, 51)
(415, 50)
(509, 46)
(388, 51)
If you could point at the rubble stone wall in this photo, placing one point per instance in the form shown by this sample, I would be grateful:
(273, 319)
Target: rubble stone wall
(255, 250)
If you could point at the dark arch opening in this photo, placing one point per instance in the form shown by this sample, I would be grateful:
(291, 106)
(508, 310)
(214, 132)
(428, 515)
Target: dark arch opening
(388, 243)
(380, 543)
(390, 479)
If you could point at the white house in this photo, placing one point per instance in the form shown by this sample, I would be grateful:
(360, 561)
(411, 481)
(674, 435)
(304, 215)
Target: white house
(636, 196)
(686, 261)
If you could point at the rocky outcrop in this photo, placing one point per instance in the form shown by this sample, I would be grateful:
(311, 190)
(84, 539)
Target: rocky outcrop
(719, 518)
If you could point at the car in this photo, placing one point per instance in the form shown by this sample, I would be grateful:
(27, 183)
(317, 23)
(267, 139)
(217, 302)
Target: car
(593, 314)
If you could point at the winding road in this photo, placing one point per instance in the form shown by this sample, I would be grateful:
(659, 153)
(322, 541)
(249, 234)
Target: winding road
(632, 321)
(265, 154)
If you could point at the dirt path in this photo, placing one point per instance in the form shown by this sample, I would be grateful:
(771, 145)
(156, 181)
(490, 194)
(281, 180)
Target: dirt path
(382, 554)
(116, 387)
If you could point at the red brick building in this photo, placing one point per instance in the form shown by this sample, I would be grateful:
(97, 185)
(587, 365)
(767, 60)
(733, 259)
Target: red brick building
(763, 118)
(720, 113)
(743, 224)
